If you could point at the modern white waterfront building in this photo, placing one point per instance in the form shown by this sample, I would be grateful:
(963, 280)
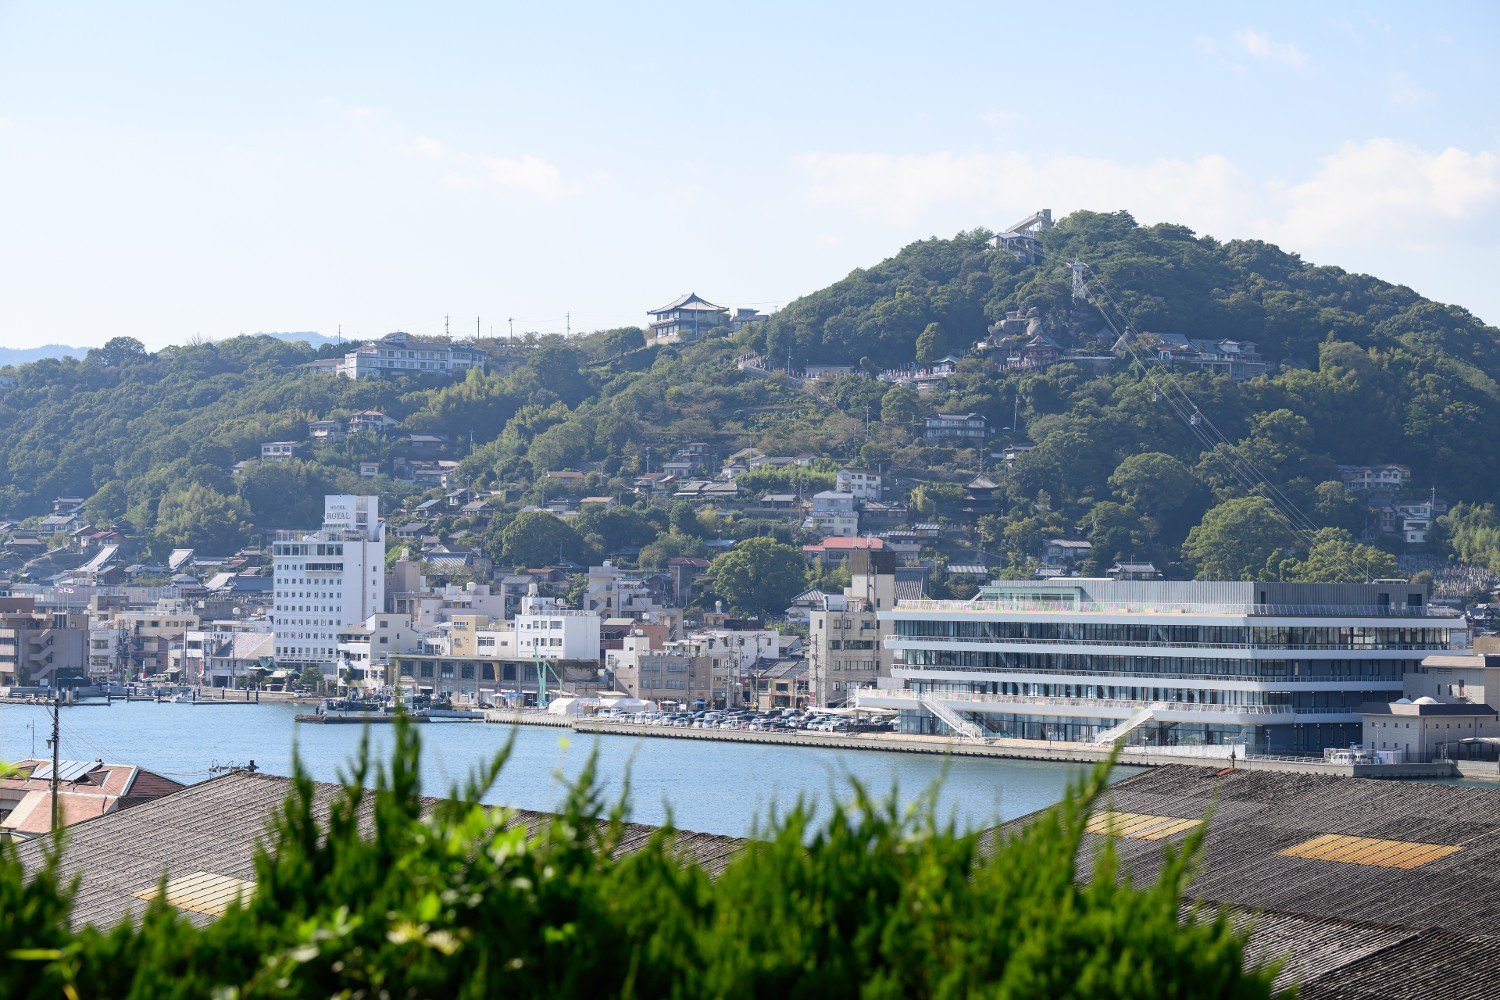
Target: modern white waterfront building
(1281, 667)
(327, 579)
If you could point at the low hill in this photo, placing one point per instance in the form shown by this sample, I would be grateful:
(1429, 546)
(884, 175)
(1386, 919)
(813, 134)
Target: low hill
(1130, 442)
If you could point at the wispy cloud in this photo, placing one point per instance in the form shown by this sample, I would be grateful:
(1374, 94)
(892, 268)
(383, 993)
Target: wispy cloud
(424, 146)
(1404, 93)
(1002, 116)
(1390, 190)
(1262, 46)
(526, 174)
(906, 189)
(1378, 189)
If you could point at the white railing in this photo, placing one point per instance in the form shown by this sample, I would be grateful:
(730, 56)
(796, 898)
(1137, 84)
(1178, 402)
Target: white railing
(1275, 647)
(1144, 608)
(953, 720)
(1132, 722)
(1125, 705)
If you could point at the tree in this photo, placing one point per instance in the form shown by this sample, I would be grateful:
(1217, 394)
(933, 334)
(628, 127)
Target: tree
(537, 538)
(900, 406)
(932, 344)
(107, 505)
(1334, 557)
(1158, 485)
(311, 679)
(199, 516)
(1237, 540)
(758, 576)
(116, 351)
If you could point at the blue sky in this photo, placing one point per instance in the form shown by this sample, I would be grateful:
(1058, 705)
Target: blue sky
(173, 170)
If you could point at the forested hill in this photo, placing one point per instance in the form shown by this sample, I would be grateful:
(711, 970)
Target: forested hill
(1358, 372)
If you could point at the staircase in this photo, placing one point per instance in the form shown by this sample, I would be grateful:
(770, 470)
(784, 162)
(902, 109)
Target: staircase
(968, 730)
(1134, 721)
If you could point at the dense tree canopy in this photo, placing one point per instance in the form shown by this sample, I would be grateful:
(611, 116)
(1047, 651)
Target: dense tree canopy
(758, 576)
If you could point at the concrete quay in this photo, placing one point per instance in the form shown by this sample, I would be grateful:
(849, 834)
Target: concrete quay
(1006, 749)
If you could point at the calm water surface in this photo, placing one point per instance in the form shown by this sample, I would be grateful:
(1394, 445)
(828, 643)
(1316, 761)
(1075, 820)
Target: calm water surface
(713, 787)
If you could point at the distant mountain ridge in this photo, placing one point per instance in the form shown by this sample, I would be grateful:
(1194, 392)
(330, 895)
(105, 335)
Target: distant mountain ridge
(24, 355)
(315, 340)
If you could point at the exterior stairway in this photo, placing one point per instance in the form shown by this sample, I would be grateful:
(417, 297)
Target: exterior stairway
(1134, 721)
(952, 720)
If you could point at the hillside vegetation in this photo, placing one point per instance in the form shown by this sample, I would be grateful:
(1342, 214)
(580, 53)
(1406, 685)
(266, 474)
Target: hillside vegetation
(1361, 372)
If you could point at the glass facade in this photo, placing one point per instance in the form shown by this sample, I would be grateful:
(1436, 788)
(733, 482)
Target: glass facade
(1282, 683)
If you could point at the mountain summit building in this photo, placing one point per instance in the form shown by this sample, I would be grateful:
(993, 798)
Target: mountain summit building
(1280, 667)
(326, 579)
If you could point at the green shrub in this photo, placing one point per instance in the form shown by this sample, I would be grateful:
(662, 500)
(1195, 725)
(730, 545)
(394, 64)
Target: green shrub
(876, 901)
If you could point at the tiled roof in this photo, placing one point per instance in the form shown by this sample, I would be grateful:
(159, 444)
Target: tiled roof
(213, 829)
(1350, 923)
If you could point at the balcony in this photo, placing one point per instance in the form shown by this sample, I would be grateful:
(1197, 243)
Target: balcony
(1014, 606)
(1095, 708)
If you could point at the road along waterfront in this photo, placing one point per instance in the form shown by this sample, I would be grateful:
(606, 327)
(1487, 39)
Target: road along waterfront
(712, 785)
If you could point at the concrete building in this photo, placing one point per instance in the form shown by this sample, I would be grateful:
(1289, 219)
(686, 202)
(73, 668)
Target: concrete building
(46, 649)
(1419, 729)
(366, 649)
(327, 579)
(546, 630)
(403, 354)
(862, 484)
(677, 673)
(1281, 667)
(845, 649)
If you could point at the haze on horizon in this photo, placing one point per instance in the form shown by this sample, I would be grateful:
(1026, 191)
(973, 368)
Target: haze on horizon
(178, 170)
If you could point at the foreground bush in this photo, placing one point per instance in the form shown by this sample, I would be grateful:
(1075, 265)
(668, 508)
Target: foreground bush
(874, 902)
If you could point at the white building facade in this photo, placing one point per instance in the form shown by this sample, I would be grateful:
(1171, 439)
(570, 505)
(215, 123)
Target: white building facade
(327, 579)
(1280, 667)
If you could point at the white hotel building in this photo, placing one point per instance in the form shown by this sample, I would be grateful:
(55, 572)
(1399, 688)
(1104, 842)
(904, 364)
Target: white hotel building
(1281, 667)
(327, 579)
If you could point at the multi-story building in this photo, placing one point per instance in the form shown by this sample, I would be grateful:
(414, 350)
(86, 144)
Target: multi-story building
(402, 354)
(152, 634)
(545, 630)
(1281, 667)
(677, 673)
(327, 579)
(962, 428)
(686, 318)
(366, 649)
(845, 649)
(862, 484)
(43, 648)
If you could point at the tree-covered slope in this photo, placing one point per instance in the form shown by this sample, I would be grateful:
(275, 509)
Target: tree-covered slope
(1360, 372)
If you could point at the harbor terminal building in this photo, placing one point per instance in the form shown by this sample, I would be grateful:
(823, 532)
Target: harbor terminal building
(1277, 667)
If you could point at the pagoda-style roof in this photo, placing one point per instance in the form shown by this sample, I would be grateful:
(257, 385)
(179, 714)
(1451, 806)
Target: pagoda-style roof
(690, 302)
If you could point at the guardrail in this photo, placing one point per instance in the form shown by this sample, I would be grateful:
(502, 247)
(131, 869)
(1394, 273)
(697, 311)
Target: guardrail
(1125, 705)
(1148, 644)
(1142, 608)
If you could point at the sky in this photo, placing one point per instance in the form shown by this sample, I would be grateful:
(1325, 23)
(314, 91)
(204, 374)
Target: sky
(171, 171)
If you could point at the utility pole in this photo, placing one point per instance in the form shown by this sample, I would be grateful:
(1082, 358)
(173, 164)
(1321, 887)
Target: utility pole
(511, 323)
(56, 740)
(568, 317)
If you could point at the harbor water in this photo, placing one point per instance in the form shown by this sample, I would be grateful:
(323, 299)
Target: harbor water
(724, 788)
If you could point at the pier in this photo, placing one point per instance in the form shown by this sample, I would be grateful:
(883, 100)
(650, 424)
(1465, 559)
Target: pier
(999, 748)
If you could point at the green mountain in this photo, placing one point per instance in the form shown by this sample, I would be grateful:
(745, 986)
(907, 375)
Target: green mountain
(1129, 453)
